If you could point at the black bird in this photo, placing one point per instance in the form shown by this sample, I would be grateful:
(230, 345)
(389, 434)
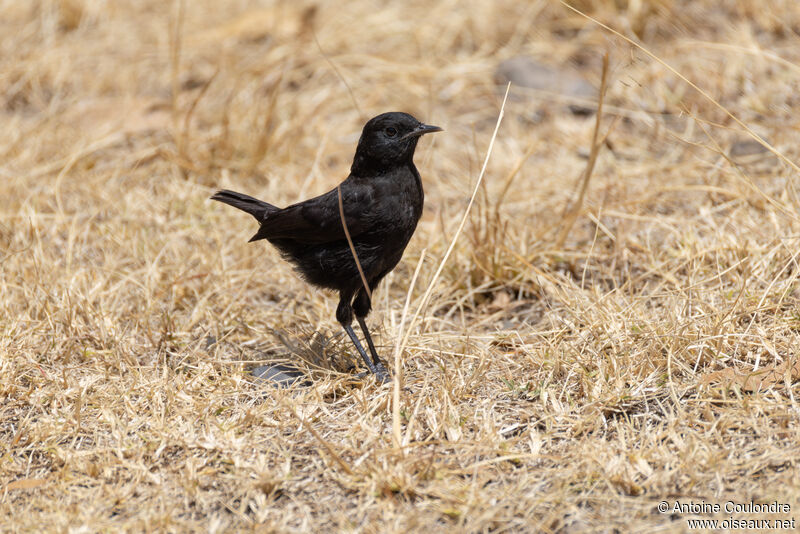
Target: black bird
(382, 202)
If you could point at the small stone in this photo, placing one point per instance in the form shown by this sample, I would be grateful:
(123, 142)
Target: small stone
(752, 156)
(524, 71)
(280, 375)
(750, 147)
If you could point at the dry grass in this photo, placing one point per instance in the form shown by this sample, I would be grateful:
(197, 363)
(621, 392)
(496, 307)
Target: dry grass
(545, 388)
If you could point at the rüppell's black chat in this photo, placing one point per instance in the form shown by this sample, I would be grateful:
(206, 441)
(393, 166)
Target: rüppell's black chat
(381, 201)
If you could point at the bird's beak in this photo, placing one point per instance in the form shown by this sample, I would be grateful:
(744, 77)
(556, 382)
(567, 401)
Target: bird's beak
(422, 129)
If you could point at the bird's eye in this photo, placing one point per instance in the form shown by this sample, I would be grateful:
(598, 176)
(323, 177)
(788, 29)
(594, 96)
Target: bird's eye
(391, 132)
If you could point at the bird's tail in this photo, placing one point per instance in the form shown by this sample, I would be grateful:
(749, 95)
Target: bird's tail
(253, 206)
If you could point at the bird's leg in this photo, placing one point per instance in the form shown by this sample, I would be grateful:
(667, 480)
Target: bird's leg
(371, 366)
(361, 306)
(375, 359)
(344, 314)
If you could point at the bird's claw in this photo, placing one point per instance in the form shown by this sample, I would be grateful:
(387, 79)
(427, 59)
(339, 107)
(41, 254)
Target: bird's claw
(380, 374)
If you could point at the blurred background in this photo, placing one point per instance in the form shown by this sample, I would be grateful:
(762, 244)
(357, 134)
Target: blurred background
(582, 323)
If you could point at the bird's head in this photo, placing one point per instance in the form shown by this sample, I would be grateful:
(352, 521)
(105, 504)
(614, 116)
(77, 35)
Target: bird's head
(388, 140)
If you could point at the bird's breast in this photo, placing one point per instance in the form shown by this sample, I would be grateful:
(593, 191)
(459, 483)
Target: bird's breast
(399, 208)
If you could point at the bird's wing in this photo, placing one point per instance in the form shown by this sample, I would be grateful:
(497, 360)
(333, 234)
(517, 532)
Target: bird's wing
(318, 220)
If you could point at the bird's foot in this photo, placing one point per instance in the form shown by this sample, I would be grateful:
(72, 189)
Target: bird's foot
(381, 374)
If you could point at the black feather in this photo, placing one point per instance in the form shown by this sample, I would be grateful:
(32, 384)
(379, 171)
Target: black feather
(257, 208)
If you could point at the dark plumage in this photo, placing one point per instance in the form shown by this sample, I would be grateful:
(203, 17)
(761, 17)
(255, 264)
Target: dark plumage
(382, 201)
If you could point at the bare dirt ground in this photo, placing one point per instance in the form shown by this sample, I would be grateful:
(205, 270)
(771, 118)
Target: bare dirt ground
(577, 360)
